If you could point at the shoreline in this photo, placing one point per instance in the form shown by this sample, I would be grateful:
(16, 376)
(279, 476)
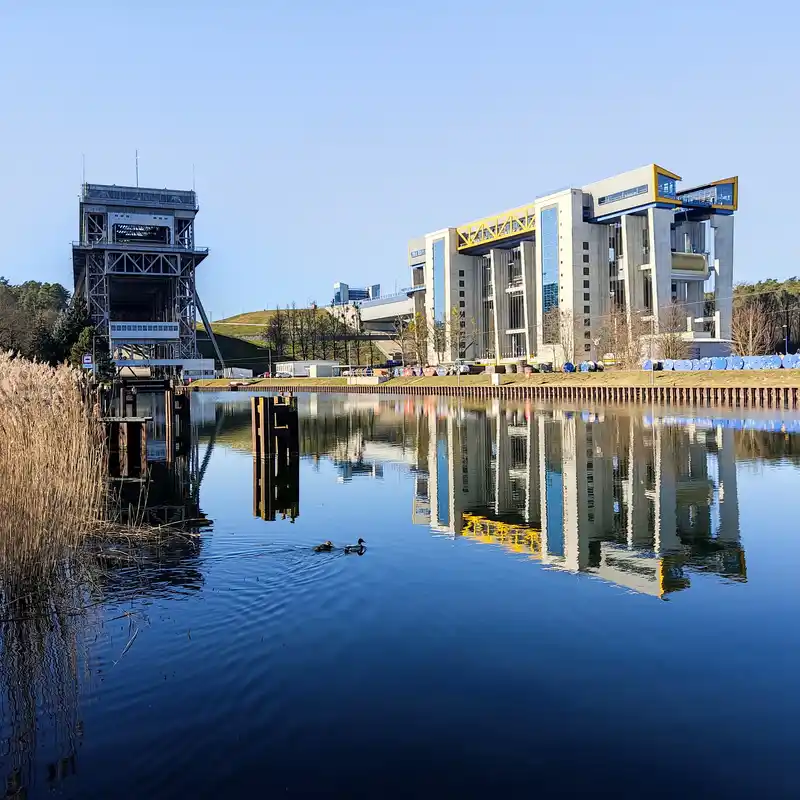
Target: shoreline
(767, 389)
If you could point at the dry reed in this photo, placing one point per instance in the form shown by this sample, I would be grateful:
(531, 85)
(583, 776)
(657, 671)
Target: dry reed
(52, 464)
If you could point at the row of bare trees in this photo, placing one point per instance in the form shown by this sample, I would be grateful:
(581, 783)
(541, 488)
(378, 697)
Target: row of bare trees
(337, 333)
(766, 317)
(625, 337)
(452, 337)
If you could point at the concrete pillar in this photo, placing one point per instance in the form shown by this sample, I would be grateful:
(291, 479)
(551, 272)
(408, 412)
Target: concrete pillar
(499, 260)
(658, 223)
(728, 495)
(722, 228)
(530, 293)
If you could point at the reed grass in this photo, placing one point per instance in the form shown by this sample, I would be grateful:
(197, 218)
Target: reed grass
(53, 488)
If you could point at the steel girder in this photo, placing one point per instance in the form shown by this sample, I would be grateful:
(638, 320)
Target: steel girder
(177, 268)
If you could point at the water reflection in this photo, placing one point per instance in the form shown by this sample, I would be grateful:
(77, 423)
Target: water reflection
(644, 502)
(47, 620)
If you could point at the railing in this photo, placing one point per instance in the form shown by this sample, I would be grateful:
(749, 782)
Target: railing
(129, 195)
(138, 247)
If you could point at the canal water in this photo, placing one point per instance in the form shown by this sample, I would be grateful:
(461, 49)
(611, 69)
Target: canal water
(551, 601)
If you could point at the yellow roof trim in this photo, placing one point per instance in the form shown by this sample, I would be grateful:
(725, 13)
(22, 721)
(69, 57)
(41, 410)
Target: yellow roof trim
(667, 173)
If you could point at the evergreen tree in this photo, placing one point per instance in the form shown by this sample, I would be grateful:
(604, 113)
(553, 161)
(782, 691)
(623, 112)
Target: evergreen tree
(68, 327)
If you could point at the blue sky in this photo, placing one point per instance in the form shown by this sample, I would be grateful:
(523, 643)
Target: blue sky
(326, 134)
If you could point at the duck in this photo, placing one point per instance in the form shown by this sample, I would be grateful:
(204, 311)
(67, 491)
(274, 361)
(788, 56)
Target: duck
(325, 547)
(355, 548)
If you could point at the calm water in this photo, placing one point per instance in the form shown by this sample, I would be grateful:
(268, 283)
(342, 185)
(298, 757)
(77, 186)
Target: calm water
(551, 601)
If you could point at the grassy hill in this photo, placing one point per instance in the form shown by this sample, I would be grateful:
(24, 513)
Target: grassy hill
(236, 352)
(247, 325)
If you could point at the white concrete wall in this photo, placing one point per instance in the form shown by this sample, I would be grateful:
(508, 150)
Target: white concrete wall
(619, 183)
(722, 227)
(659, 221)
(529, 292)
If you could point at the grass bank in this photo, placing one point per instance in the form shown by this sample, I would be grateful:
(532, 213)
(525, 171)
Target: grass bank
(709, 379)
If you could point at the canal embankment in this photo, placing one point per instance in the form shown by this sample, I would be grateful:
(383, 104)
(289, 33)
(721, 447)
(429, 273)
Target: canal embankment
(764, 389)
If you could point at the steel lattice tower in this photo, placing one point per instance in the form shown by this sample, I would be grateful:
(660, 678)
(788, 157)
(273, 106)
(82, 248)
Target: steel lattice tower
(135, 266)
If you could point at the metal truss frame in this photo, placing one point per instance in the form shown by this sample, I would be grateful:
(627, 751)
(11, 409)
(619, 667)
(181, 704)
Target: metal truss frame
(184, 233)
(177, 268)
(516, 222)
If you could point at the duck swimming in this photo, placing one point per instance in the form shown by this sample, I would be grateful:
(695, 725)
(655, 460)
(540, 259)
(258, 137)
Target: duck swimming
(355, 548)
(325, 547)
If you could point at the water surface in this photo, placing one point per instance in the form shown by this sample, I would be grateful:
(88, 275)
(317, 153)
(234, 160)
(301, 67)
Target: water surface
(552, 600)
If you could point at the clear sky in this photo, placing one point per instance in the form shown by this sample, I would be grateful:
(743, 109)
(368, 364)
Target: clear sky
(327, 133)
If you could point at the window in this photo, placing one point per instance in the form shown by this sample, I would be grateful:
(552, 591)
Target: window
(461, 273)
(587, 348)
(461, 294)
(461, 284)
(587, 334)
(586, 310)
(586, 245)
(461, 304)
(462, 324)
(586, 270)
(586, 284)
(587, 322)
(585, 258)
(585, 298)
(548, 225)
(666, 186)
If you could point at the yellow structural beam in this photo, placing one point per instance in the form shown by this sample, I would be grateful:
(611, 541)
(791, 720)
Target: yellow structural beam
(518, 538)
(516, 222)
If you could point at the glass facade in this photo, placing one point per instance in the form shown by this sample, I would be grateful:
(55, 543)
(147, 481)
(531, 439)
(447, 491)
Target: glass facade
(721, 194)
(666, 186)
(439, 296)
(548, 230)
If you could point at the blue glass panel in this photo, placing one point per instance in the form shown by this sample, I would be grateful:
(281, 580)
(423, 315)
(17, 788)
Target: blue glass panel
(442, 483)
(666, 186)
(719, 195)
(554, 489)
(439, 297)
(548, 230)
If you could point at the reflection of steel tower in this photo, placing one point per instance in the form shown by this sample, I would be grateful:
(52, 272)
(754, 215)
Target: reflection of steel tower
(135, 266)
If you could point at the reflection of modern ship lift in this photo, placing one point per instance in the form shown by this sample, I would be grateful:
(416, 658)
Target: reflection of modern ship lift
(517, 538)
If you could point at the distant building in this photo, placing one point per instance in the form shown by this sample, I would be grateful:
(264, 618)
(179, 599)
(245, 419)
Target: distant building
(343, 293)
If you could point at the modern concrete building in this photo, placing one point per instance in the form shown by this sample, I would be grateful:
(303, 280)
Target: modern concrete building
(344, 294)
(542, 280)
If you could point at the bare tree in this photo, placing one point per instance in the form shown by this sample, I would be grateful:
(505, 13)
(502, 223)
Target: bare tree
(751, 332)
(275, 333)
(622, 339)
(566, 333)
(418, 328)
(401, 336)
(671, 327)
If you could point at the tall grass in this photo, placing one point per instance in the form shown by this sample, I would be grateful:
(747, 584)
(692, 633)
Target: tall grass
(52, 464)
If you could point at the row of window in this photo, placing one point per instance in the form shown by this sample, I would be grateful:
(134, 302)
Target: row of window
(155, 326)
